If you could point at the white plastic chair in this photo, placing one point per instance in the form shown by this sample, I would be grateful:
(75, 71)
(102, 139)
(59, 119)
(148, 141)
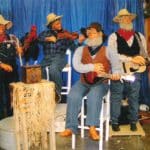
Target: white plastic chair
(104, 121)
(66, 88)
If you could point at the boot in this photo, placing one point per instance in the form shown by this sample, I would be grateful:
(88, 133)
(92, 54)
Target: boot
(66, 133)
(93, 133)
(115, 127)
(133, 127)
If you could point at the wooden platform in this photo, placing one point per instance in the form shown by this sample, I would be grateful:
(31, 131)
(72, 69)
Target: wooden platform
(125, 131)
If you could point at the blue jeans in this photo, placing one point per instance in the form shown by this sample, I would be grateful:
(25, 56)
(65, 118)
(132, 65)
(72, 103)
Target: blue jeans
(132, 93)
(94, 94)
(56, 63)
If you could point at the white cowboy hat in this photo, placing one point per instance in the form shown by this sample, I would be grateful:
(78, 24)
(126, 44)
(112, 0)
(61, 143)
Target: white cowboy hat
(51, 18)
(7, 23)
(123, 12)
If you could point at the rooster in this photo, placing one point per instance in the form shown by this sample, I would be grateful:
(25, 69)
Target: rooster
(30, 44)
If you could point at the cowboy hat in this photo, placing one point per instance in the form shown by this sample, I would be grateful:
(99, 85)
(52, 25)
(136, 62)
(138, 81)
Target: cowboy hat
(123, 12)
(51, 18)
(7, 23)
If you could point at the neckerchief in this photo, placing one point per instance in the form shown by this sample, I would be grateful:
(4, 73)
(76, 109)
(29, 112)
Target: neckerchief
(125, 33)
(3, 37)
(93, 51)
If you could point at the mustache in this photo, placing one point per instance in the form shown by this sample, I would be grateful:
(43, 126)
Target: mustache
(126, 26)
(94, 42)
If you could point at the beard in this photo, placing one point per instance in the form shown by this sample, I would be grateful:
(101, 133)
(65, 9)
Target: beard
(94, 42)
(126, 26)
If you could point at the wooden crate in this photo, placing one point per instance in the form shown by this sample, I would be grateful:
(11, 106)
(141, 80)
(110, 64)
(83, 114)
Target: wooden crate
(31, 74)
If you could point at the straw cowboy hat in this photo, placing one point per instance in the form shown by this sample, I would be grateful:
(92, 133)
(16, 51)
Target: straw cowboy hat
(51, 18)
(7, 23)
(123, 12)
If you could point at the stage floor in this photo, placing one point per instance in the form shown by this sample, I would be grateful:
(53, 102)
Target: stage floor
(131, 142)
(116, 142)
(124, 140)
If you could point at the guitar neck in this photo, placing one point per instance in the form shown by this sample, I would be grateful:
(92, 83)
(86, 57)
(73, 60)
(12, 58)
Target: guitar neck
(107, 76)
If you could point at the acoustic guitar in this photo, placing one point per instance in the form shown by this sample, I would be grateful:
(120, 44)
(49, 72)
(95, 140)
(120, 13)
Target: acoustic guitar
(129, 69)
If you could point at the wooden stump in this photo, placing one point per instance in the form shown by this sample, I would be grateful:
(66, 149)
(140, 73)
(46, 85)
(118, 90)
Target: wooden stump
(34, 106)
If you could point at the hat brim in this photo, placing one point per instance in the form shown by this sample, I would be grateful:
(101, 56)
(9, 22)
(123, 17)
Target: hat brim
(57, 18)
(117, 18)
(8, 24)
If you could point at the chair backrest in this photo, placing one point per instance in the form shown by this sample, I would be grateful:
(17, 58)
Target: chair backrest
(66, 88)
(68, 53)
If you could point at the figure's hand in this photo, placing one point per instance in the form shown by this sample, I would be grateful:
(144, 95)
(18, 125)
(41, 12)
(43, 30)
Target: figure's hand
(138, 60)
(6, 67)
(50, 39)
(99, 68)
(115, 76)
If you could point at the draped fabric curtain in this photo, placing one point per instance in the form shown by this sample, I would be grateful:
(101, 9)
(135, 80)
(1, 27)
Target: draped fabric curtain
(76, 14)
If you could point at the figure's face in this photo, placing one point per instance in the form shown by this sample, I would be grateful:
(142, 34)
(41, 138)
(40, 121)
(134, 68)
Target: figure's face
(57, 25)
(2, 29)
(125, 19)
(94, 37)
(92, 33)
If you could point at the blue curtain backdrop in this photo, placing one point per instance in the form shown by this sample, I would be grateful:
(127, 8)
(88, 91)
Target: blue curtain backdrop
(76, 14)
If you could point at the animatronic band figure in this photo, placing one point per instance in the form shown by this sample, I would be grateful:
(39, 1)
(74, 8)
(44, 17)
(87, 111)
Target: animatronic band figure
(9, 47)
(90, 61)
(126, 46)
(55, 42)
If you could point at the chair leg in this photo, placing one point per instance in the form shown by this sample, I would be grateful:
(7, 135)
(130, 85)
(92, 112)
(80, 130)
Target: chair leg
(69, 80)
(47, 73)
(101, 128)
(82, 119)
(107, 115)
(73, 141)
(107, 130)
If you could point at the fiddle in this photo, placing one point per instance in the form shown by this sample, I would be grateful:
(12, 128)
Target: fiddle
(64, 34)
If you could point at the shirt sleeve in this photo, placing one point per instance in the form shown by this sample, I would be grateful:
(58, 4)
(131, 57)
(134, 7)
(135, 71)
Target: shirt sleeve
(113, 55)
(112, 41)
(143, 46)
(43, 35)
(115, 62)
(14, 40)
(78, 65)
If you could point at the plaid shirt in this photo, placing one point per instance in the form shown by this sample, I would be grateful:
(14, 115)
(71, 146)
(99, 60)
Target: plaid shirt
(59, 47)
(8, 49)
